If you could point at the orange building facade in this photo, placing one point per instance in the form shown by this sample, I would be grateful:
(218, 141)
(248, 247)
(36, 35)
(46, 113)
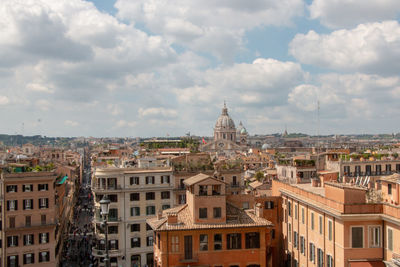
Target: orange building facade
(29, 219)
(337, 225)
(209, 231)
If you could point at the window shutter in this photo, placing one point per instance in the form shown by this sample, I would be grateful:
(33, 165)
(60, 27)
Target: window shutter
(33, 257)
(24, 204)
(16, 204)
(33, 239)
(8, 241)
(8, 204)
(24, 240)
(16, 241)
(24, 259)
(31, 203)
(47, 237)
(47, 202)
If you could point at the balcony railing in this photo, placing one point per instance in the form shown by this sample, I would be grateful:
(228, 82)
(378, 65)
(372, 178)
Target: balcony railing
(235, 185)
(100, 252)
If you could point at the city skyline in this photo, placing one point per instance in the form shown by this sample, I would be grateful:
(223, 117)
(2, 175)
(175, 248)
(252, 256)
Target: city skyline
(145, 68)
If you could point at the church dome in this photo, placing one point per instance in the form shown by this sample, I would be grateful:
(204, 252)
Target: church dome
(241, 129)
(224, 121)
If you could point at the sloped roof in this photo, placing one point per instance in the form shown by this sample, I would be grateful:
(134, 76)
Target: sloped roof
(198, 178)
(235, 218)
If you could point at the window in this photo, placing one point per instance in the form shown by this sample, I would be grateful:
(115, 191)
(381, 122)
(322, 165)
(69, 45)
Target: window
(330, 230)
(302, 215)
(150, 196)
(166, 206)
(203, 190)
(44, 256)
(295, 211)
(320, 225)
(295, 239)
(289, 232)
(357, 234)
(374, 236)
(150, 210)
(28, 221)
(113, 198)
(165, 195)
(27, 204)
(113, 244)
(312, 221)
(269, 205)
(43, 203)
(329, 261)
(135, 242)
(216, 190)
(113, 229)
(188, 245)
(135, 196)
(388, 168)
(390, 239)
(29, 258)
(11, 188)
(320, 258)
(150, 179)
(217, 241)
(346, 170)
(203, 242)
(175, 243)
(12, 222)
(165, 179)
(44, 238)
(312, 252)
(12, 261)
(43, 219)
(389, 189)
(273, 233)
(135, 227)
(368, 170)
(252, 240)
(12, 205)
(203, 213)
(234, 241)
(150, 259)
(43, 187)
(217, 212)
(135, 260)
(28, 240)
(302, 245)
(289, 208)
(12, 241)
(27, 188)
(182, 199)
(149, 241)
(378, 169)
(135, 211)
(134, 180)
(246, 205)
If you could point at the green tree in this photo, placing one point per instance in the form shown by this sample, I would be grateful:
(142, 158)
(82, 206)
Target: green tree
(259, 175)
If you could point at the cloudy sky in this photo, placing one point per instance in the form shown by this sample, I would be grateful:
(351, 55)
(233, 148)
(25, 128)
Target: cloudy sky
(158, 67)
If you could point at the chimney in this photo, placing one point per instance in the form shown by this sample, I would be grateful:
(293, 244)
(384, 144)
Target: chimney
(259, 210)
(159, 214)
(172, 218)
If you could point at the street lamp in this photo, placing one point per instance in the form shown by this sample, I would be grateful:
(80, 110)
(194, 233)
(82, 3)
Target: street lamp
(104, 206)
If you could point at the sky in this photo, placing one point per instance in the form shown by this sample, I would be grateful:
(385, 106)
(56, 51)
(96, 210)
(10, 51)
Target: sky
(117, 68)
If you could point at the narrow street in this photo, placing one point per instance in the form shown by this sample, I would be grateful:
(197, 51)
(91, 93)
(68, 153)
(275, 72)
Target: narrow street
(78, 247)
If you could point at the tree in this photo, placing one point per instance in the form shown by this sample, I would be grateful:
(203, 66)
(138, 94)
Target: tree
(259, 175)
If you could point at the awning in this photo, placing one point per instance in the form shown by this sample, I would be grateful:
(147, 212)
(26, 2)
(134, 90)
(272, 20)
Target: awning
(63, 179)
(367, 264)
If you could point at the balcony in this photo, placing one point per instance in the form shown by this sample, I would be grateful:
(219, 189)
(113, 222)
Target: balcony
(235, 185)
(193, 259)
(102, 252)
(32, 226)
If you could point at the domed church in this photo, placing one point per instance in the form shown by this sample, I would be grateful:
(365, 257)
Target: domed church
(227, 139)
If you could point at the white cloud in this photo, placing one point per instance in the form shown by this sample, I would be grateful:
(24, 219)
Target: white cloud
(346, 13)
(71, 123)
(36, 87)
(304, 96)
(210, 26)
(43, 104)
(124, 123)
(373, 48)
(4, 100)
(157, 112)
(114, 109)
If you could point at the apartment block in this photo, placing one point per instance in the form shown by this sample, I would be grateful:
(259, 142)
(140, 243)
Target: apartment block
(337, 225)
(29, 219)
(209, 231)
(135, 194)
